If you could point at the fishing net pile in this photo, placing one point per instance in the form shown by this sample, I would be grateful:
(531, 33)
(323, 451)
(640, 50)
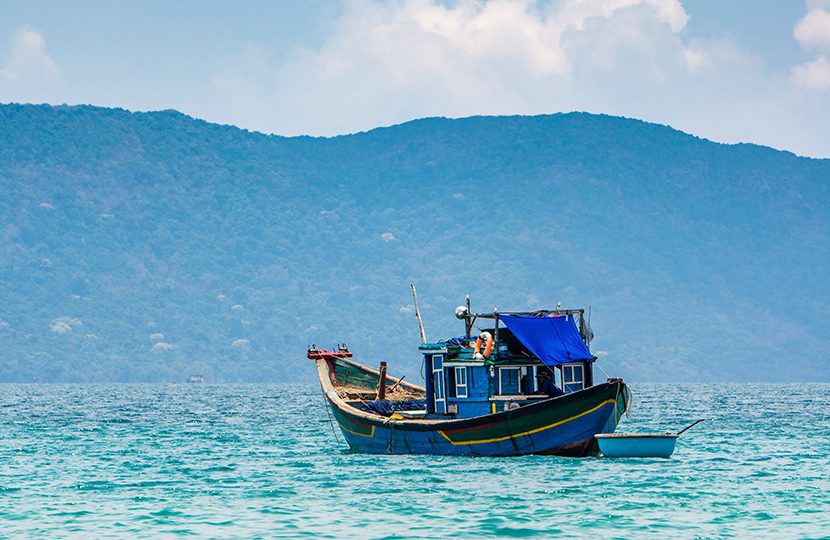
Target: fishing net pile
(397, 393)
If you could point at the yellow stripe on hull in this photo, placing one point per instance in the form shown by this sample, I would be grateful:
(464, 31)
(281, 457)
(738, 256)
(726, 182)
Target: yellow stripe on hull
(531, 432)
(369, 436)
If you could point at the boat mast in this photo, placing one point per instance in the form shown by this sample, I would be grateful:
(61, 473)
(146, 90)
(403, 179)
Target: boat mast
(468, 322)
(418, 315)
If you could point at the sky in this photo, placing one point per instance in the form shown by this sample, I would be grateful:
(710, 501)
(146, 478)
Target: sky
(729, 70)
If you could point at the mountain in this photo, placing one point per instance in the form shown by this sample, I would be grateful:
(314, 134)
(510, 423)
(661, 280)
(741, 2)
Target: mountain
(150, 246)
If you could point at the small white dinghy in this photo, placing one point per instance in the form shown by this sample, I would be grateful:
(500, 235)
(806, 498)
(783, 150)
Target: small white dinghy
(657, 445)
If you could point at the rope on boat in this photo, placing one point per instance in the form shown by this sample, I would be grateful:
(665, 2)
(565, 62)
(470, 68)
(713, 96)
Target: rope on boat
(602, 370)
(628, 399)
(391, 438)
(328, 413)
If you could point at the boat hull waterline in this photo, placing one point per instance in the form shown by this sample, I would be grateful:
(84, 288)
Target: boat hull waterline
(562, 426)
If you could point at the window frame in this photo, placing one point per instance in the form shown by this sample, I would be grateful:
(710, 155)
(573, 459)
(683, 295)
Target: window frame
(438, 386)
(573, 380)
(461, 370)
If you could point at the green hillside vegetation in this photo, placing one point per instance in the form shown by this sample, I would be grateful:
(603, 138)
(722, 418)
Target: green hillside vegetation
(149, 246)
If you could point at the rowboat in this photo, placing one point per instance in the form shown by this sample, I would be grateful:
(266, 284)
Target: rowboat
(491, 398)
(659, 445)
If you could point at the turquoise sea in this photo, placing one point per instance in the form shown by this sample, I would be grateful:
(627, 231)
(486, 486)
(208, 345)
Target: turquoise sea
(262, 461)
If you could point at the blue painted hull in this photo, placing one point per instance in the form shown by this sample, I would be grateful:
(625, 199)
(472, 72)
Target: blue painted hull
(563, 426)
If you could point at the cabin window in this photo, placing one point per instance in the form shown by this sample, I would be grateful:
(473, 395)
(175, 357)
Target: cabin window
(457, 382)
(533, 381)
(573, 377)
(509, 381)
(461, 382)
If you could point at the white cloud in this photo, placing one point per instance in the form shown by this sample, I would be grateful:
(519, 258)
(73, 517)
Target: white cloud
(220, 297)
(46, 205)
(813, 31)
(162, 346)
(237, 307)
(696, 58)
(813, 34)
(156, 336)
(407, 309)
(420, 58)
(64, 325)
(3, 324)
(29, 58)
(240, 342)
(387, 237)
(813, 74)
(425, 58)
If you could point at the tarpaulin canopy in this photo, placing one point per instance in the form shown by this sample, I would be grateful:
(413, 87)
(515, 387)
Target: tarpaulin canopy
(554, 340)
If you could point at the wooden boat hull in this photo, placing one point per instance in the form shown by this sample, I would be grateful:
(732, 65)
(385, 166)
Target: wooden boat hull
(563, 426)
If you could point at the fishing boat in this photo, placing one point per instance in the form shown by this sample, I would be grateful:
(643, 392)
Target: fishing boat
(524, 385)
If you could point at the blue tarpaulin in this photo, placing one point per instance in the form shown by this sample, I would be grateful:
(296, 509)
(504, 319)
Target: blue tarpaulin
(554, 340)
(386, 408)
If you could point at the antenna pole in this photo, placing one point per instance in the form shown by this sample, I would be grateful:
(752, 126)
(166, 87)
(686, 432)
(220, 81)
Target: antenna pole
(418, 314)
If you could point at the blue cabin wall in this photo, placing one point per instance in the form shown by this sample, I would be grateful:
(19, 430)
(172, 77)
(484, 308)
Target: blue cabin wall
(477, 401)
(482, 384)
(430, 391)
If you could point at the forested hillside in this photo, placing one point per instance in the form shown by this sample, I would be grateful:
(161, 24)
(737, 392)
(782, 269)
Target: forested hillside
(149, 246)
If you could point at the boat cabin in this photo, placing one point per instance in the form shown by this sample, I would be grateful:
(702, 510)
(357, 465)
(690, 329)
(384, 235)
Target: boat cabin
(504, 366)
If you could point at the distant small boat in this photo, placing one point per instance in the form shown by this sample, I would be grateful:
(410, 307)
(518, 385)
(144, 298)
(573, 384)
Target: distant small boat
(481, 399)
(196, 379)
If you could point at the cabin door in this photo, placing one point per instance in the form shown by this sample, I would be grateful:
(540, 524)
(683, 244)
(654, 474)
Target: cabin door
(438, 383)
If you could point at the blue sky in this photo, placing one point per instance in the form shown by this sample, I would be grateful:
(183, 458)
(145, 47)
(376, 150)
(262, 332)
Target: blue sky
(730, 70)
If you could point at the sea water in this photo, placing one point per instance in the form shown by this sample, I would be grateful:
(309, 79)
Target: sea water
(263, 461)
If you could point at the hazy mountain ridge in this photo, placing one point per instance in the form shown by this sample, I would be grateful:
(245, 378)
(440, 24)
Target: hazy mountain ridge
(693, 254)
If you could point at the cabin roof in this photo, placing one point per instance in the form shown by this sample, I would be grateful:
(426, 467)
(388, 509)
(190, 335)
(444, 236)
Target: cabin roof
(547, 335)
(495, 314)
